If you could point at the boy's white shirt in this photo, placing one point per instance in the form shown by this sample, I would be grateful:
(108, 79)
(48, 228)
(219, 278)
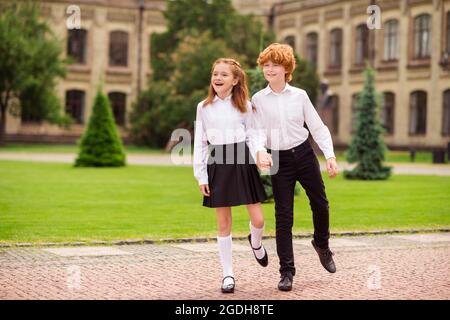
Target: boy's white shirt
(279, 119)
(220, 123)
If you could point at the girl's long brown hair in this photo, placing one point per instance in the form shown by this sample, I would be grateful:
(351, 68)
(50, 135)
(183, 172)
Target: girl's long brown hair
(239, 93)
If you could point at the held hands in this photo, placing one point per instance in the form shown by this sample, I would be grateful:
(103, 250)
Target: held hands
(263, 160)
(204, 189)
(332, 167)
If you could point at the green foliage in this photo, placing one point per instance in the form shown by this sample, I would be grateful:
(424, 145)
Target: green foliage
(244, 34)
(305, 76)
(100, 145)
(30, 62)
(367, 147)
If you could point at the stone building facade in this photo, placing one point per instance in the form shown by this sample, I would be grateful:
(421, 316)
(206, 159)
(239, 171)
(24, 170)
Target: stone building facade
(410, 53)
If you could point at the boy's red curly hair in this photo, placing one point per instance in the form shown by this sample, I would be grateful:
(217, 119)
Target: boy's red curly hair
(280, 54)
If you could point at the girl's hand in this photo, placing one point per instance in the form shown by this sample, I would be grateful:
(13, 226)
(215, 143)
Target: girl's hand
(332, 167)
(263, 160)
(204, 189)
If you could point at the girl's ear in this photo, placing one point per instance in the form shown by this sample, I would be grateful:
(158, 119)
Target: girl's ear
(235, 82)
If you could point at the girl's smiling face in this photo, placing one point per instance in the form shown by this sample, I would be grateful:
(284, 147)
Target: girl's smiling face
(274, 72)
(223, 80)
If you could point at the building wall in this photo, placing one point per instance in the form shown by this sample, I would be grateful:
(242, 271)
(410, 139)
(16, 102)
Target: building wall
(99, 18)
(291, 18)
(298, 18)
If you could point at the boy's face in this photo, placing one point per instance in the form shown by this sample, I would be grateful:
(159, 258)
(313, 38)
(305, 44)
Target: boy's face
(273, 72)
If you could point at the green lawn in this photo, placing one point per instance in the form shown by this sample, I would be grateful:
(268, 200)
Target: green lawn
(56, 202)
(394, 156)
(67, 148)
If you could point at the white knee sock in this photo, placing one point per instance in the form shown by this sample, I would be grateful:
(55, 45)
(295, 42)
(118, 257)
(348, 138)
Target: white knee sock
(256, 234)
(226, 257)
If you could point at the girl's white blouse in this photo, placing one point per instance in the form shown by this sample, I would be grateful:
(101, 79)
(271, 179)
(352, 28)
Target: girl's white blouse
(220, 123)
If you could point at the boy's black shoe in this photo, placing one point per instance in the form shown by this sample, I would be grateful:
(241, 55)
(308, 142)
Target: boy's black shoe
(326, 258)
(285, 283)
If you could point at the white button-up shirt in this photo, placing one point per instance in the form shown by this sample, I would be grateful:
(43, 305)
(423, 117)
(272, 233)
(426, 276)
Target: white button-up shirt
(280, 117)
(219, 123)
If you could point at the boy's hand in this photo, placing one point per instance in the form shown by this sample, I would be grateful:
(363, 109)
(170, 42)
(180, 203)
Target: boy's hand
(263, 160)
(204, 189)
(332, 167)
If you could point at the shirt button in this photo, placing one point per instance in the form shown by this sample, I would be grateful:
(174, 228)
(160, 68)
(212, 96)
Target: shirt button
(293, 150)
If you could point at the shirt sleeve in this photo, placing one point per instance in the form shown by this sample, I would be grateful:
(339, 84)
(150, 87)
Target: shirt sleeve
(257, 135)
(318, 129)
(200, 148)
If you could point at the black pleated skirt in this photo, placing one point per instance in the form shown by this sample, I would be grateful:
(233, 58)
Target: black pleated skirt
(233, 177)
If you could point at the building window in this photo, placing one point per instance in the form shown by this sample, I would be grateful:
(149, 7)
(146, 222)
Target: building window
(387, 112)
(312, 47)
(118, 104)
(290, 40)
(362, 44)
(418, 113)
(335, 48)
(76, 45)
(354, 108)
(446, 113)
(334, 102)
(75, 105)
(448, 33)
(391, 40)
(422, 36)
(118, 48)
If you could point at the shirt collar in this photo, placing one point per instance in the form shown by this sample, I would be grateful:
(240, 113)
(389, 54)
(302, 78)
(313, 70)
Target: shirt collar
(268, 89)
(216, 97)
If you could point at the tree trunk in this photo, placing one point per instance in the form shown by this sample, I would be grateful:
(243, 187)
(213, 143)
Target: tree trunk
(2, 125)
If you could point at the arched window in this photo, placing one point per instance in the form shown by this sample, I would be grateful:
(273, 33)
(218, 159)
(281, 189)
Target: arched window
(76, 45)
(290, 40)
(418, 113)
(118, 104)
(422, 36)
(387, 112)
(334, 102)
(446, 113)
(75, 102)
(118, 48)
(312, 47)
(335, 48)
(391, 40)
(362, 44)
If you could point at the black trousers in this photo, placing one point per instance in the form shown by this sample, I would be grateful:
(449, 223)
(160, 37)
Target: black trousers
(298, 164)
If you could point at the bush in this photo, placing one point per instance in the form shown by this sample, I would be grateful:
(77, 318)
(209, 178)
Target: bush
(100, 145)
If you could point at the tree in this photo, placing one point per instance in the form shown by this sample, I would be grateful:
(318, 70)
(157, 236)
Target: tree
(244, 34)
(168, 105)
(29, 65)
(100, 145)
(367, 147)
(305, 77)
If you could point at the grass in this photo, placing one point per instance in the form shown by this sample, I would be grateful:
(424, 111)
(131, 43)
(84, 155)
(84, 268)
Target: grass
(394, 157)
(68, 148)
(56, 202)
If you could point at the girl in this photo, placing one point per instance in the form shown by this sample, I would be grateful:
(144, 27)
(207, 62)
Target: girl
(227, 174)
(281, 112)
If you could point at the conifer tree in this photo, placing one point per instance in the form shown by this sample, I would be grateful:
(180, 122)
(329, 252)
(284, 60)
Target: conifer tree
(100, 145)
(367, 147)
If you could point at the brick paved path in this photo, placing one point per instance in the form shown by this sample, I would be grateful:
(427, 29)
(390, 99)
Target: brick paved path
(414, 266)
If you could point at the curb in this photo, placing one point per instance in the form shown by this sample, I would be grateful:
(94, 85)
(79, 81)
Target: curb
(212, 239)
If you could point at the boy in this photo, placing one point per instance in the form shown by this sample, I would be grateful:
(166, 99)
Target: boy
(280, 113)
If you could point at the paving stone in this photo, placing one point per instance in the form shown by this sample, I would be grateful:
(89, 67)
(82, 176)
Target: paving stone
(87, 251)
(427, 238)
